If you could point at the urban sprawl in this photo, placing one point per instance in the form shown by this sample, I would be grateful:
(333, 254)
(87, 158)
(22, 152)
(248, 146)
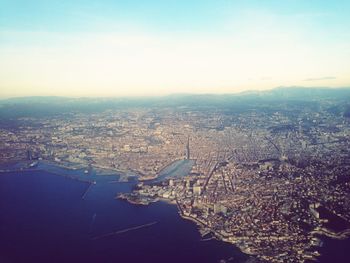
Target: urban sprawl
(270, 182)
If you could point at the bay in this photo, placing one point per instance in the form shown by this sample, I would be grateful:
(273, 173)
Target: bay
(44, 219)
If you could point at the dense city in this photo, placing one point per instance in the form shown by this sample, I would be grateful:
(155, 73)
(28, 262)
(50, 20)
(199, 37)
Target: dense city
(272, 182)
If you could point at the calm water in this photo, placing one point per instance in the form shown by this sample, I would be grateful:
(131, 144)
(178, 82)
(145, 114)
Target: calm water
(43, 218)
(176, 169)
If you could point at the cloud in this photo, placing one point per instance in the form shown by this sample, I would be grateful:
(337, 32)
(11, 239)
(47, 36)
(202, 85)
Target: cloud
(319, 79)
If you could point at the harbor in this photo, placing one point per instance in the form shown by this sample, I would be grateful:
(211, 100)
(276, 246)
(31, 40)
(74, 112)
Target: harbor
(97, 222)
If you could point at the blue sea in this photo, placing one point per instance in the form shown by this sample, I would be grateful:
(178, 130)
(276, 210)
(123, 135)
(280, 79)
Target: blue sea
(43, 218)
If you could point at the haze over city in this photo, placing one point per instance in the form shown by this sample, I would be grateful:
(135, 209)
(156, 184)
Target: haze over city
(123, 48)
(174, 131)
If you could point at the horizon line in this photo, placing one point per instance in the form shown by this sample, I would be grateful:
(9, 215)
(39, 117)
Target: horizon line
(171, 94)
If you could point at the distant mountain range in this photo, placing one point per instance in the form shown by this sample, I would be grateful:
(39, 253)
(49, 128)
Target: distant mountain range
(288, 93)
(51, 105)
(302, 93)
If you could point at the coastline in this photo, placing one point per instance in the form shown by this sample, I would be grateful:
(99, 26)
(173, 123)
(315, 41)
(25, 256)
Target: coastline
(99, 169)
(342, 235)
(203, 228)
(132, 217)
(217, 235)
(24, 166)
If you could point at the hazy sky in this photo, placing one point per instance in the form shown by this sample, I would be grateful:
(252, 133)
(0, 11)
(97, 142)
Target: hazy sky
(155, 47)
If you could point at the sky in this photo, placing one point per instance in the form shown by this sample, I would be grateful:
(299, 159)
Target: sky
(157, 47)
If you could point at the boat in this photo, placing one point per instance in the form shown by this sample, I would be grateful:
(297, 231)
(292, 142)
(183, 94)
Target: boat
(33, 164)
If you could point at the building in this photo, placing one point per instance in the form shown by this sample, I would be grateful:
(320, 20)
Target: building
(197, 190)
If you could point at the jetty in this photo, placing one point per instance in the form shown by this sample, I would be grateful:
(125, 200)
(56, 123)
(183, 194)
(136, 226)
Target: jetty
(124, 230)
(87, 189)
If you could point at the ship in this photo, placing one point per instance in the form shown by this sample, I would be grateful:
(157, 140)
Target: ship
(33, 164)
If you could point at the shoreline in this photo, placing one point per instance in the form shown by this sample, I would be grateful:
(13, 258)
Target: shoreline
(216, 235)
(100, 170)
(202, 227)
(342, 235)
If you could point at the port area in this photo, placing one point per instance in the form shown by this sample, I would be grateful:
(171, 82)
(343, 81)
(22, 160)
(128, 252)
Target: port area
(136, 199)
(84, 172)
